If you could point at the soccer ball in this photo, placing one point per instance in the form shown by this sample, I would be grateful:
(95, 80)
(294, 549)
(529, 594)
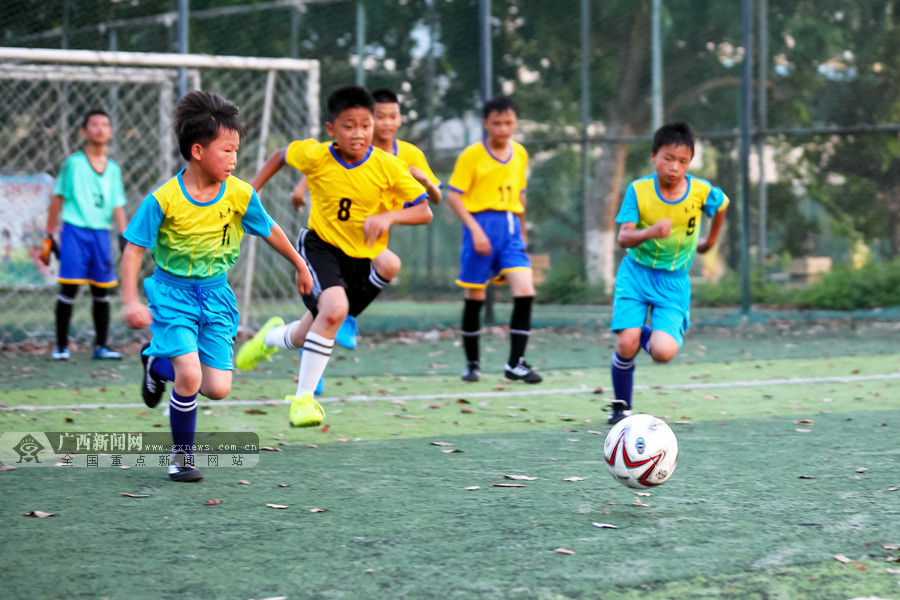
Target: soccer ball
(641, 451)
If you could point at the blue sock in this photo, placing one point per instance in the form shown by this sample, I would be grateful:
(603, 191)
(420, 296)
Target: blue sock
(645, 339)
(162, 368)
(623, 377)
(183, 421)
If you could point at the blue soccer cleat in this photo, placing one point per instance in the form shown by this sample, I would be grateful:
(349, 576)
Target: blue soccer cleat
(347, 333)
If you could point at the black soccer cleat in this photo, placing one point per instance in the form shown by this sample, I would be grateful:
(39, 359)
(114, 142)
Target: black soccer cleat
(472, 373)
(152, 387)
(181, 468)
(618, 410)
(522, 372)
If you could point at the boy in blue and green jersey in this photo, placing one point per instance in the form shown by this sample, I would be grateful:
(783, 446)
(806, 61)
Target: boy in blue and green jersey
(660, 230)
(193, 225)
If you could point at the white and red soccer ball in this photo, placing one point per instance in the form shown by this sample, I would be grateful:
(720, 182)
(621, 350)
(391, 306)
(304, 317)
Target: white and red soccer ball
(641, 451)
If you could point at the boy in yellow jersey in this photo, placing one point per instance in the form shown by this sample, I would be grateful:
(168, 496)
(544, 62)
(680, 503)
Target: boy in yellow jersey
(387, 122)
(193, 224)
(89, 193)
(660, 230)
(358, 193)
(487, 192)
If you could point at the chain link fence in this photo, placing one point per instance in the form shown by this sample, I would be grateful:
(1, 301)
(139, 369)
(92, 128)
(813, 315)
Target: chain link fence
(825, 119)
(46, 94)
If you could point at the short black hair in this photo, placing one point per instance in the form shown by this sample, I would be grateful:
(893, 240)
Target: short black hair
(200, 115)
(385, 96)
(499, 104)
(93, 113)
(675, 134)
(347, 97)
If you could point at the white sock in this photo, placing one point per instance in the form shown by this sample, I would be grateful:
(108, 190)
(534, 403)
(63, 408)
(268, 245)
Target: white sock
(280, 336)
(316, 352)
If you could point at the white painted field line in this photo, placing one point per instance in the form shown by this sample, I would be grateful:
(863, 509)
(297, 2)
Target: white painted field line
(518, 391)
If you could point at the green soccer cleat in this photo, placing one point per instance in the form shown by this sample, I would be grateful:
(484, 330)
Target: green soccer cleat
(305, 411)
(255, 349)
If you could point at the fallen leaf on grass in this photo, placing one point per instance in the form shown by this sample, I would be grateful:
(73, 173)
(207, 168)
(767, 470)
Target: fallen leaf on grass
(243, 482)
(574, 479)
(315, 510)
(803, 422)
(891, 546)
(807, 477)
(433, 405)
(284, 485)
(605, 525)
(7, 468)
(595, 432)
(862, 469)
(270, 448)
(842, 558)
(452, 451)
(520, 477)
(890, 489)
(39, 514)
(499, 388)
(508, 485)
(213, 502)
(799, 430)
(893, 571)
(565, 551)
(255, 411)
(466, 410)
(276, 505)
(643, 494)
(441, 444)
(127, 495)
(472, 488)
(325, 428)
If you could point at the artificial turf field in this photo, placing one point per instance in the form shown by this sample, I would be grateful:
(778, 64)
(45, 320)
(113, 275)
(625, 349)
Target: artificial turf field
(789, 457)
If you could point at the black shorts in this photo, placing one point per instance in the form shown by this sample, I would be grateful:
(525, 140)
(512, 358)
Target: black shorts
(330, 267)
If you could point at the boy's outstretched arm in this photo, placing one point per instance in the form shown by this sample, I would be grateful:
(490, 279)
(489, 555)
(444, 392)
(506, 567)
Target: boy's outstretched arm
(279, 241)
(630, 236)
(136, 313)
(434, 192)
(272, 166)
(377, 225)
(705, 244)
(480, 241)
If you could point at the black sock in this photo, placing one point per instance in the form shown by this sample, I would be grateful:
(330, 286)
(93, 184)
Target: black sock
(372, 288)
(64, 302)
(519, 328)
(471, 328)
(100, 310)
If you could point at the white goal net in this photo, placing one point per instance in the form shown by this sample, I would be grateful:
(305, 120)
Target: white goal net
(44, 95)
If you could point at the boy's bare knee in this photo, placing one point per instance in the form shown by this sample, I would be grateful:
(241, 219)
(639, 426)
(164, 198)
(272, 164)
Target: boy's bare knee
(387, 265)
(217, 392)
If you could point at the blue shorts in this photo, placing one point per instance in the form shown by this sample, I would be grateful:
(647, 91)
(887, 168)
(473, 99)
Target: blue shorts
(666, 294)
(85, 257)
(192, 315)
(507, 250)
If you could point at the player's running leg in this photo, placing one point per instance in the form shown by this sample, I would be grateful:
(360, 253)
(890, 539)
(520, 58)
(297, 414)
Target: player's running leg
(64, 303)
(522, 286)
(622, 371)
(100, 313)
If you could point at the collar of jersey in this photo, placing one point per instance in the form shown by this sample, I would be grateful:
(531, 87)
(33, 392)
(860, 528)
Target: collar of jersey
(334, 153)
(491, 154)
(660, 196)
(191, 200)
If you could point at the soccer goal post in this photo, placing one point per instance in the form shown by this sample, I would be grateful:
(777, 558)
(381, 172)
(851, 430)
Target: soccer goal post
(43, 97)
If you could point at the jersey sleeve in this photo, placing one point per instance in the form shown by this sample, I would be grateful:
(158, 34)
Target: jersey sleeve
(419, 161)
(144, 226)
(300, 155)
(463, 171)
(629, 212)
(60, 186)
(716, 200)
(407, 190)
(256, 220)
